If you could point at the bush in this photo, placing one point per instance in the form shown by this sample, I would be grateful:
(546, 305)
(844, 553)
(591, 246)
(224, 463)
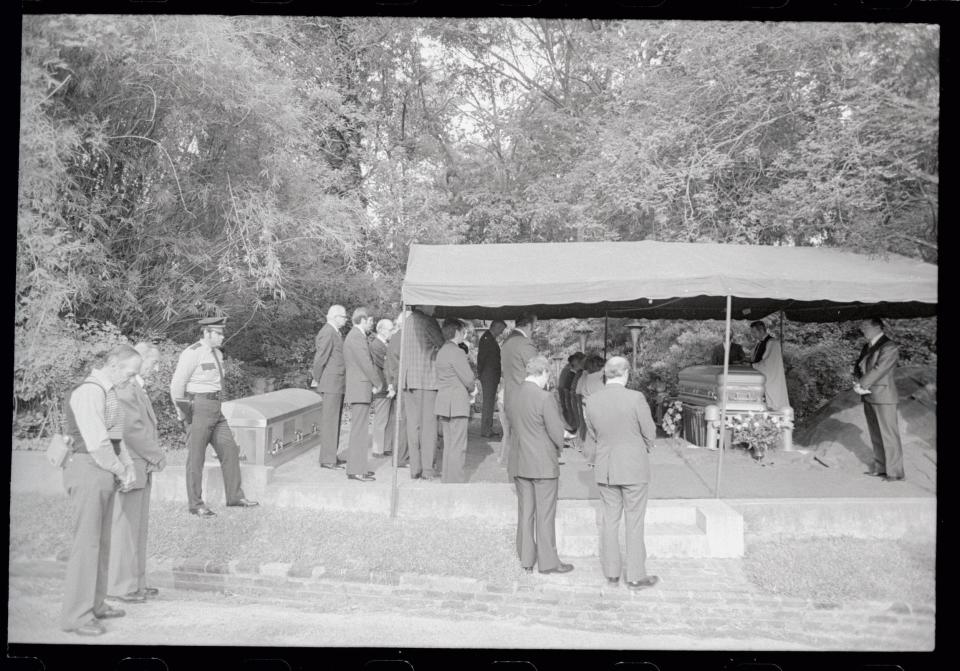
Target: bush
(46, 367)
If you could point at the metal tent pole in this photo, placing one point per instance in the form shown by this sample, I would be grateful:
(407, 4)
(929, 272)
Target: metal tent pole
(723, 398)
(394, 490)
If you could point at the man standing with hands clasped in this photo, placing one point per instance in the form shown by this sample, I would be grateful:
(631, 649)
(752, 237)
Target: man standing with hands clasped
(128, 543)
(878, 390)
(363, 381)
(329, 375)
(619, 424)
(197, 390)
(98, 460)
(538, 438)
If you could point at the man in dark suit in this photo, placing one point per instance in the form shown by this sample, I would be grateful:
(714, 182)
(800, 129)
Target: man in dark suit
(391, 371)
(876, 386)
(128, 543)
(382, 406)
(455, 383)
(488, 370)
(363, 381)
(537, 430)
(329, 375)
(565, 388)
(515, 354)
(621, 428)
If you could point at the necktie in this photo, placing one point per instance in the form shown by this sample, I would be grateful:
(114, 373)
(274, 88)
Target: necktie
(216, 357)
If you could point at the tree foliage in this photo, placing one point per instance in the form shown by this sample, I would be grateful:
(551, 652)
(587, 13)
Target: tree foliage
(265, 167)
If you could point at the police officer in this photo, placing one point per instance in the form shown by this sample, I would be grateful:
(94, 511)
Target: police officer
(196, 389)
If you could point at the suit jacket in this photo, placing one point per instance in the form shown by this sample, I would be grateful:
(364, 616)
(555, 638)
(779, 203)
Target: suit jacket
(378, 352)
(488, 357)
(362, 375)
(537, 428)
(391, 363)
(328, 364)
(517, 350)
(876, 366)
(454, 382)
(139, 423)
(622, 430)
(421, 340)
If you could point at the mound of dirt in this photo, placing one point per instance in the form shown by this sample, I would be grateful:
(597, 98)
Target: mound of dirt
(838, 436)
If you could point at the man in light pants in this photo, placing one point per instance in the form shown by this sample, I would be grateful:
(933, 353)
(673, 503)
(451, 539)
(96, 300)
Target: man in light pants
(128, 544)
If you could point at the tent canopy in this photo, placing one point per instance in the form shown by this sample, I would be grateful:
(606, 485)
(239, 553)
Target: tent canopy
(666, 280)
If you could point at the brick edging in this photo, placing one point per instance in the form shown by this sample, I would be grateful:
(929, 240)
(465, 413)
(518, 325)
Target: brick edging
(297, 580)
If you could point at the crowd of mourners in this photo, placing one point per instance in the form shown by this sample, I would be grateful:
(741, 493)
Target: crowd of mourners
(414, 375)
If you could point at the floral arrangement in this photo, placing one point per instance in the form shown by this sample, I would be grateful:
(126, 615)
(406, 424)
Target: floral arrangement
(672, 418)
(759, 430)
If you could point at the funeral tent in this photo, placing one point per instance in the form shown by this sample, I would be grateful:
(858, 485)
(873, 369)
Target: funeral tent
(666, 280)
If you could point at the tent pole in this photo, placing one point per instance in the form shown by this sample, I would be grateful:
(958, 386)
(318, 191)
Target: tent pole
(723, 398)
(394, 491)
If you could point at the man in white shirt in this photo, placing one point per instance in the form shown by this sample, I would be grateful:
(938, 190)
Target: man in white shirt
(197, 391)
(98, 459)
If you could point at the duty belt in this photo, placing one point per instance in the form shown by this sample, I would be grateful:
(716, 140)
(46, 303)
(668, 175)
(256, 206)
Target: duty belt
(205, 394)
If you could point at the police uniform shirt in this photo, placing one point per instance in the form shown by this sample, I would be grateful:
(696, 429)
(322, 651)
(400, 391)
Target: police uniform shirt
(197, 372)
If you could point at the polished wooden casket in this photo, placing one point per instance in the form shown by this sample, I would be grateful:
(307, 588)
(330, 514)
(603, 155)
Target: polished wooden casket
(700, 386)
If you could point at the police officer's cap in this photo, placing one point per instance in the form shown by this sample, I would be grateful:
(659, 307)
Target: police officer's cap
(213, 323)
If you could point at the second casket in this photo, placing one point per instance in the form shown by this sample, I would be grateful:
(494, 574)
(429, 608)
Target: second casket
(700, 386)
(271, 428)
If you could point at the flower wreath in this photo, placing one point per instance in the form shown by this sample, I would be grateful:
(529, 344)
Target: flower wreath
(672, 418)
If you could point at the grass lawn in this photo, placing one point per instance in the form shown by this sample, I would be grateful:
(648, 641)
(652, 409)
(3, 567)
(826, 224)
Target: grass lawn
(844, 568)
(40, 527)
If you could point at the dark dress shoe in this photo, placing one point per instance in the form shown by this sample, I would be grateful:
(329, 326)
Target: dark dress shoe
(243, 503)
(613, 581)
(527, 569)
(334, 467)
(875, 474)
(887, 478)
(202, 511)
(108, 612)
(150, 591)
(562, 568)
(131, 597)
(370, 474)
(361, 478)
(91, 628)
(649, 581)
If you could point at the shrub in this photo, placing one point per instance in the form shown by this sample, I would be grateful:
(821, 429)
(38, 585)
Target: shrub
(46, 367)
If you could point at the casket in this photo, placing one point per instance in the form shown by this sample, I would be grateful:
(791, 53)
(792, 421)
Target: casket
(700, 386)
(272, 428)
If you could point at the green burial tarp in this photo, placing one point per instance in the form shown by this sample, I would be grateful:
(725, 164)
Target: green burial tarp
(666, 280)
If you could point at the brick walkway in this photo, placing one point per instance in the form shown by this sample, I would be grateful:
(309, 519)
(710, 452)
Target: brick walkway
(696, 598)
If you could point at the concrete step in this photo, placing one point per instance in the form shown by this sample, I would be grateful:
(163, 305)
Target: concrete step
(661, 540)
